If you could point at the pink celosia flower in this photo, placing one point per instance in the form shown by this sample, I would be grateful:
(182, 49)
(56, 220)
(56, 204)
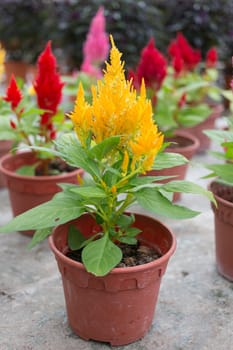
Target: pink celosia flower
(152, 67)
(181, 47)
(90, 69)
(13, 94)
(96, 46)
(211, 58)
(48, 85)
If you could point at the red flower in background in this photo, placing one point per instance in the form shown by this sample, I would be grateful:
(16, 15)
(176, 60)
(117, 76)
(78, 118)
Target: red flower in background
(152, 66)
(181, 48)
(48, 85)
(13, 94)
(211, 58)
(178, 64)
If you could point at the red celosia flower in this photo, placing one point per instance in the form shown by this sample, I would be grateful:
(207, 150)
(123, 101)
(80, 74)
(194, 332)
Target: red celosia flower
(152, 66)
(181, 47)
(178, 64)
(13, 94)
(48, 85)
(211, 58)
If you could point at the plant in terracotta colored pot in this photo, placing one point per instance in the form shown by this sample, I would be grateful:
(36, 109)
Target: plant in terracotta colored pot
(197, 79)
(222, 188)
(97, 238)
(34, 121)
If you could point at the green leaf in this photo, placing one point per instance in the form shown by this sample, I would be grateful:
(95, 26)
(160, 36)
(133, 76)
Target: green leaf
(39, 236)
(27, 170)
(187, 187)
(128, 240)
(152, 200)
(168, 160)
(89, 191)
(125, 220)
(101, 256)
(219, 135)
(74, 154)
(223, 171)
(62, 208)
(75, 238)
(103, 148)
(132, 231)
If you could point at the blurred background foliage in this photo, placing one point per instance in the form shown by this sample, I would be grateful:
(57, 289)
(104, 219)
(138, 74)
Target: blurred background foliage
(26, 25)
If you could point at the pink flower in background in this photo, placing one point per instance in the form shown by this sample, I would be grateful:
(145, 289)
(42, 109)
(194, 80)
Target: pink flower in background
(211, 58)
(96, 46)
(90, 69)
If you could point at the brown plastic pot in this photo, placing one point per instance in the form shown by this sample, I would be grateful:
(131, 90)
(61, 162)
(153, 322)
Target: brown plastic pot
(119, 307)
(209, 123)
(5, 147)
(26, 192)
(186, 145)
(223, 220)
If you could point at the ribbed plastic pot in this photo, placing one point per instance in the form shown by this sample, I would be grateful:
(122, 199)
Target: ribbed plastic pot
(119, 307)
(26, 192)
(187, 145)
(5, 147)
(223, 221)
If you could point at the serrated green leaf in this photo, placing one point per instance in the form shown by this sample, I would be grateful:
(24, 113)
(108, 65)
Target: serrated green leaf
(152, 200)
(75, 238)
(101, 256)
(39, 236)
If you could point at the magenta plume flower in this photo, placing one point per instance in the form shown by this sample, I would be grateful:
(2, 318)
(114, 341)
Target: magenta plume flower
(96, 46)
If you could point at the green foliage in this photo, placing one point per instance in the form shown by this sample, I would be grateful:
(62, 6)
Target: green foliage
(224, 138)
(106, 202)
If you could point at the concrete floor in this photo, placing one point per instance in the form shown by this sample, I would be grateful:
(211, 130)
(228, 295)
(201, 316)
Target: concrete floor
(194, 309)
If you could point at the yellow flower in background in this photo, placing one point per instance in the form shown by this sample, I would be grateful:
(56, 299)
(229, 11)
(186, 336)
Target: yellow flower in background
(2, 59)
(116, 110)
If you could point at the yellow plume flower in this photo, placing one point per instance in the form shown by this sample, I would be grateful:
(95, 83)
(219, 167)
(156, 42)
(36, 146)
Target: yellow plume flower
(2, 59)
(117, 110)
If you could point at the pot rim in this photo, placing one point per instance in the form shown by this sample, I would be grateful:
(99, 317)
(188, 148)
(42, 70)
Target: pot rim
(187, 135)
(219, 198)
(14, 175)
(118, 270)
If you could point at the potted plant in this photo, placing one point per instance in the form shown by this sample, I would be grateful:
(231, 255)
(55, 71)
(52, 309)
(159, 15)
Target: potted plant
(116, 141)
(32, 175)
(222, 188)
(198, 81)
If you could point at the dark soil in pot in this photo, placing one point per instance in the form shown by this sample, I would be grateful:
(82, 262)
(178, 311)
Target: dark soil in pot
(133, 255)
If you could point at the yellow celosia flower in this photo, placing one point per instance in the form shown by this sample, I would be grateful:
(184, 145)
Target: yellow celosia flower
(117, 110)
(2, 59)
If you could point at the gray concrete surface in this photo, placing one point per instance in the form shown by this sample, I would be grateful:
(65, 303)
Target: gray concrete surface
(194, 310)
